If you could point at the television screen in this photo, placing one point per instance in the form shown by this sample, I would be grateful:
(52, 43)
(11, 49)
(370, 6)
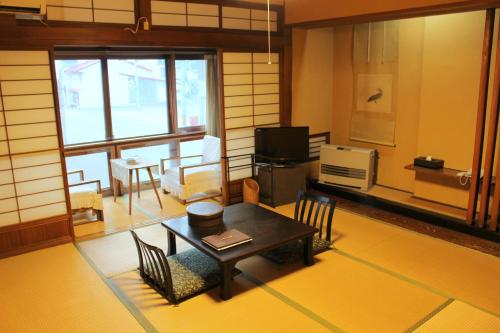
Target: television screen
(281, 144)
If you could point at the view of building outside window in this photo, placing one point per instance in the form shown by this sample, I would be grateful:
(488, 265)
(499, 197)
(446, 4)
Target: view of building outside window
(138, 93)
(81, 100)
(191, 91)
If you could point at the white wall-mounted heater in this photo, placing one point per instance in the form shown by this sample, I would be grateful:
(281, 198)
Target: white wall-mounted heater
(347, 166)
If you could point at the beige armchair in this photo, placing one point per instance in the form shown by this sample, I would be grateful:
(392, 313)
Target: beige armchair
(84, 197)
(188, 180)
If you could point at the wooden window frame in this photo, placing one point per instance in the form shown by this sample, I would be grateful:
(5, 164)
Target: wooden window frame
(187, 129)
(168, 56)
(113, 146)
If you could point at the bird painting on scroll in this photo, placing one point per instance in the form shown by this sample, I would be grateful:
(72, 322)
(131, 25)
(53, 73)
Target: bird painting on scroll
(374, 93)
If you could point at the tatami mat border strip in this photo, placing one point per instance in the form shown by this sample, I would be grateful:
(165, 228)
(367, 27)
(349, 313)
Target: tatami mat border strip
(141, 319)
(305, 311)
(430, 315)
(410, 280)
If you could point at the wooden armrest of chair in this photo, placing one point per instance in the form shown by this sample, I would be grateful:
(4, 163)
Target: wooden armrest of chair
(192, 166)
(88, 182)
(162, 161)
(77, 171)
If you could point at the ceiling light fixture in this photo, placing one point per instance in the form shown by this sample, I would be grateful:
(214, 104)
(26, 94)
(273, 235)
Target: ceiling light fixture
(268, 34)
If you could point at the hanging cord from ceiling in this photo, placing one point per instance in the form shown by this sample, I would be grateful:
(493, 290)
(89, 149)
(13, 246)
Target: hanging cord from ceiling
(268, 34)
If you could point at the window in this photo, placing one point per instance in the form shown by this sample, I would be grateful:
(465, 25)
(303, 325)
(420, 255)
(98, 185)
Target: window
(94, 166)
(191, 92)
(109, 96)
(138, 95)
(81, 100)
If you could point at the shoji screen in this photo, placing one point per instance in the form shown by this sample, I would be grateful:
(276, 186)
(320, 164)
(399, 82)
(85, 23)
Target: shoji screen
(185, 14)
(251, 99)
(31, 181)
(194, 14)
(97, 11)
(248, 19)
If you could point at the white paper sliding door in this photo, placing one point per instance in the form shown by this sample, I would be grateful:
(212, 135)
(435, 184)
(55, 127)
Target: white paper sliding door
(251, 99)
(31, 174)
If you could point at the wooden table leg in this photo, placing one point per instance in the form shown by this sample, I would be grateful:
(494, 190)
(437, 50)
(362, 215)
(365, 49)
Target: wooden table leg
(225, 287)
(150, 173)
(138, 183)
(130, 192)
(172, 246)
(308, 253)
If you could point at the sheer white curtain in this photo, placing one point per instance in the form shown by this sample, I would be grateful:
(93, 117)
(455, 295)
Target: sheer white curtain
(213, 105)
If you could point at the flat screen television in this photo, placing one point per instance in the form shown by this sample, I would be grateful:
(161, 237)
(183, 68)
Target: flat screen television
(281, 144)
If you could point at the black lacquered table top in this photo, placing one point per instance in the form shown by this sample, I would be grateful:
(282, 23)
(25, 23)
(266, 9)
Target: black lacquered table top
(267, 228)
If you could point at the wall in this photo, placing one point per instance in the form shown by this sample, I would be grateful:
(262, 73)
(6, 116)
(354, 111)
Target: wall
(436, 97)
(392, 160)
(312, 66)
(449, 96)
(312, 82)
(297, 11)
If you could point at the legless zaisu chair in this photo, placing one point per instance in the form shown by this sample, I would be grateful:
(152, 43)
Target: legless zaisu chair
(314, 210)
(184, 181)
(179, 276)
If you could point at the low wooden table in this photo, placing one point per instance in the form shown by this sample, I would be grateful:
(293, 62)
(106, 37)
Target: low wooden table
(121, 171)
(268, 229)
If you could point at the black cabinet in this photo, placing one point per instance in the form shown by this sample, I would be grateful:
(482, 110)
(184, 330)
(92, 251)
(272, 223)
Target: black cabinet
(280, 185)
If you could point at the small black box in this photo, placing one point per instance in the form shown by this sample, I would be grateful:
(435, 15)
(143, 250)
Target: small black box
(422, 161)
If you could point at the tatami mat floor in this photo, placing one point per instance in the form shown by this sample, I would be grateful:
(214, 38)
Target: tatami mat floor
(379, 278)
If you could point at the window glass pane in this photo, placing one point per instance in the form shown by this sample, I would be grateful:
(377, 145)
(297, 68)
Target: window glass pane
(79, 85)
(94, 166)
(152, 154)
(191, 85)
(138, 91)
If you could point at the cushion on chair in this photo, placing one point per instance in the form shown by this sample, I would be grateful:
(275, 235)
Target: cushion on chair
(193, 271)
(85, 197)
(211, 149)
(295, 251)
(196, 180)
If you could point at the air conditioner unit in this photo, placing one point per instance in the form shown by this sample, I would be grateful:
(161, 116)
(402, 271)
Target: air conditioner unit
(23, 7)
(347, 166)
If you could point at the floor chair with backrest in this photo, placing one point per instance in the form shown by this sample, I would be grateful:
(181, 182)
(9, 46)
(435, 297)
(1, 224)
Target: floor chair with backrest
(313, 210)
(180, 276)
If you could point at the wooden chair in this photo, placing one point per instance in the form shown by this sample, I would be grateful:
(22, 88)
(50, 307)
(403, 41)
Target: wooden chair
(84, 197)
(313, 210)
(180, 276)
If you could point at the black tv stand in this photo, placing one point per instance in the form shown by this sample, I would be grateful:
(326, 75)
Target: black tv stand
(280, 183)
(283, 165)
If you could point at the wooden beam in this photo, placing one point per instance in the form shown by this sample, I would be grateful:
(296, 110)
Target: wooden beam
(481, 115)
(490, 141)
(14, 36)
(57, 111)
(222, 117)
(495, 203)
(144, 10)
(460, 7)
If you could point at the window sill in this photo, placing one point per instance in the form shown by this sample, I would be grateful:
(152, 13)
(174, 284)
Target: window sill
(135, 140)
